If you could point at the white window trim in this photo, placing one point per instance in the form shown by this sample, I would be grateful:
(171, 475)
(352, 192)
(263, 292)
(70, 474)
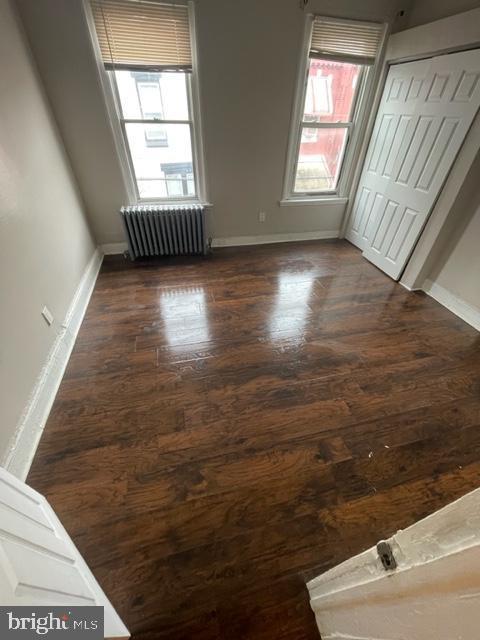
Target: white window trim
(363, 101)
(112, 103)
(327, 199)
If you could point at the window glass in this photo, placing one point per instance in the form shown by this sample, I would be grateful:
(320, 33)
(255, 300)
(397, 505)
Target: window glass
(156, 136)
(319, 159)
(330, 91)
(149, 95)
(150, 99)
(165, 169)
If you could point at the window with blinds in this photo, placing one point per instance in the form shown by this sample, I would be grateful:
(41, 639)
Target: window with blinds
(331, 104)
(146, 50)
(357, 42)
(143, 34)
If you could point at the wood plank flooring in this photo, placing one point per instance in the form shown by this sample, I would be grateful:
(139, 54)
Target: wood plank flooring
(230, 427)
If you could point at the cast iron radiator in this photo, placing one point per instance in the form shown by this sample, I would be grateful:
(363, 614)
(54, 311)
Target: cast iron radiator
(165, 230)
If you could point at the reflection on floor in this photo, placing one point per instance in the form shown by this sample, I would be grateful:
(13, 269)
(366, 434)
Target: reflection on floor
(229, 427)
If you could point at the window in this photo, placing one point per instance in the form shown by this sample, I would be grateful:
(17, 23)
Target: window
(327, 117)
(146, 51)
(329, 104)
(151, 106)
(155, 119)
(179, 178)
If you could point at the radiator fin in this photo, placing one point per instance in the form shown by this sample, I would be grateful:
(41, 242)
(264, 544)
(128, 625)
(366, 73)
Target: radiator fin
(160, 231)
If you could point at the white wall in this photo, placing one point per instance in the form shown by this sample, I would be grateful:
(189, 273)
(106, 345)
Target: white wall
(45, 242)
(459, 269)
(461, 31)
(247, 98)
(453, 269)
(58, 36)
(424, 11)
(248, 55)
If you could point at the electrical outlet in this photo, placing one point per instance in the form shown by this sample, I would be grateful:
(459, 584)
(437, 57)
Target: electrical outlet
(261, 216)
(47, 314)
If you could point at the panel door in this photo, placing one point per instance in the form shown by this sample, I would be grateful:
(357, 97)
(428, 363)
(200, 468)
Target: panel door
(39, 564)
(425, 113)
(394, 125)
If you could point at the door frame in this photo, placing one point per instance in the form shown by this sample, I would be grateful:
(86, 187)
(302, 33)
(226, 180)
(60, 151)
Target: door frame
(456, 33)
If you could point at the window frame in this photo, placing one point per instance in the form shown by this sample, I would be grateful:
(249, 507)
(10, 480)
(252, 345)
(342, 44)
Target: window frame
(118, 122)
(362, 100)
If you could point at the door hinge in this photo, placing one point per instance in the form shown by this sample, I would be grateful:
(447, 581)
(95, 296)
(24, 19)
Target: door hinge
(386, 555)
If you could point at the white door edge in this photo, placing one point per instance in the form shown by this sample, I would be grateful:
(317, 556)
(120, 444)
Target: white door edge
(39, 563)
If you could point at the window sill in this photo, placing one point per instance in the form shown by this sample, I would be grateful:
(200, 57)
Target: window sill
(172, 203)
(292, 202)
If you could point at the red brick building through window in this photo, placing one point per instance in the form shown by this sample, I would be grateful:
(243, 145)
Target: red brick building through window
(329, 98)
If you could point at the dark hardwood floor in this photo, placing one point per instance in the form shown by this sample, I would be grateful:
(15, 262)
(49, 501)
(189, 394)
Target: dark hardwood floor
(230, 427)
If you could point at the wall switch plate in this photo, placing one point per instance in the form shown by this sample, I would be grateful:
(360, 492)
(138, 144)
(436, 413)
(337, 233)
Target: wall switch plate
(261, 216)
(46, 313)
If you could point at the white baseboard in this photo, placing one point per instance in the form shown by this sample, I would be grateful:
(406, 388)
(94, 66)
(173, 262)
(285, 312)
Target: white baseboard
(30, 427)
(405, 286)
(114, 248)
(459, 307)
(238, 241)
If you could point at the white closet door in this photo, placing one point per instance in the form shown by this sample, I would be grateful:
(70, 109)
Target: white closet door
(39, 564)
(426, 110)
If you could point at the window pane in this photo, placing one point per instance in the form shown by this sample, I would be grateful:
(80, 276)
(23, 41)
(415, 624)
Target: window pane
(148, 95)
(156, 135)
(330, 91)
(162, 159)
(319, 159)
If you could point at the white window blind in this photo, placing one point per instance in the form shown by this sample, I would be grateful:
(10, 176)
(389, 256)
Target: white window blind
(143, 34)
(357, 42)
